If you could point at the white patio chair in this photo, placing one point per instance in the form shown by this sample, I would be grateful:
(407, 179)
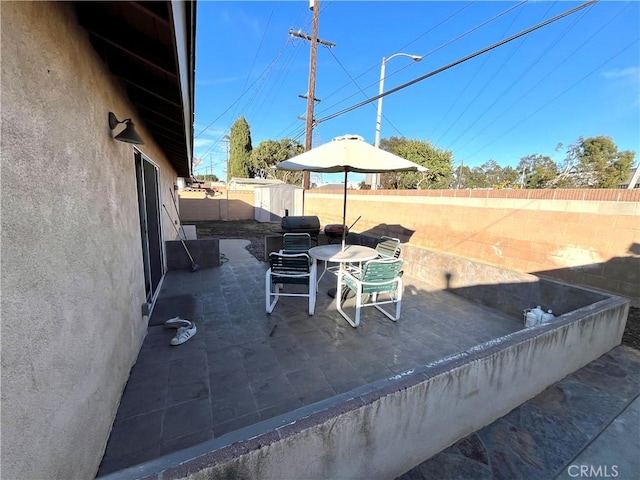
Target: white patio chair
(376, 277)
(291, 269)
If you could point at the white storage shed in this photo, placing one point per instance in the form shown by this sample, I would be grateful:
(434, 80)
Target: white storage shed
(272, 202)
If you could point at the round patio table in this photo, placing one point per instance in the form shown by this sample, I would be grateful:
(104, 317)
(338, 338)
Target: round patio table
(334, 254)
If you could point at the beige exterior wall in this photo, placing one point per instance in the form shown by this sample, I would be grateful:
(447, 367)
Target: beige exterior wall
(587, 237)
(72, 274)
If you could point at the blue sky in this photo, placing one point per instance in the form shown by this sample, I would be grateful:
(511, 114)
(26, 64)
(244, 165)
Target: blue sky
(577, 76)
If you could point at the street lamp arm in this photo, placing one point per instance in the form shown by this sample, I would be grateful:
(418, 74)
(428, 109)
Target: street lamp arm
(416, 58)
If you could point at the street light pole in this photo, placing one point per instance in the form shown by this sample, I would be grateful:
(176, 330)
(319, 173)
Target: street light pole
(416, 58)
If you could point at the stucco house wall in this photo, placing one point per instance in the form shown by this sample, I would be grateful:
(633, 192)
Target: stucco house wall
(72, 268)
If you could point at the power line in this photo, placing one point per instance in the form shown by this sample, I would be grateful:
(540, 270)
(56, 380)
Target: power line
(517, 80)
(556, 97)
(362, 91)
(266, 71)
(551, 71)
(457, 62)
(255, 57)
(400, 49)
(354, 80)
(479, 92)
(459, 37)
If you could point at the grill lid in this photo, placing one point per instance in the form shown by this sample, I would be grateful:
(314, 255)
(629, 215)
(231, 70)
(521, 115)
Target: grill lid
(300, 224)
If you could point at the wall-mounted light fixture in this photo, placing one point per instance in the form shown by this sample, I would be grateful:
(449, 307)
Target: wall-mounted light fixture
(129, 134)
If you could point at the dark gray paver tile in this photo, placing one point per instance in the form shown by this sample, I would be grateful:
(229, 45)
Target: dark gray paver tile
(231, 404)
(139, 401)
(186, 419)
(225, 380)
(337, 371)
(111, 463)
(181, 393)
(136, 433)
(149, 376)
(189, 369)
(270, 391)
(308, 380)
(280, 408)
(450, 467)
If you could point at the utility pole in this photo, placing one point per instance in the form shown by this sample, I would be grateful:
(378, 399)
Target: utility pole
(310, 96)
(226, 139)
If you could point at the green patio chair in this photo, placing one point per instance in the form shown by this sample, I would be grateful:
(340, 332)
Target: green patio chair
(296, 243)
(290, 269)
(388, 247)
(376, 277)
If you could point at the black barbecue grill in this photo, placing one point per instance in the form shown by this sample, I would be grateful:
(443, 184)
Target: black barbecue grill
(301, 224)
(334, 232)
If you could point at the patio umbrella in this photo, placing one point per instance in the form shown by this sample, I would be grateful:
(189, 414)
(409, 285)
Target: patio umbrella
(348, 153)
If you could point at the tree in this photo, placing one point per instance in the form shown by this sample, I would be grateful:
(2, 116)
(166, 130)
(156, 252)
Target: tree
(537, 171)
(437, 161)
(207, 177)
(595, 162)
(240, 150)
(500, 177)
(270, 152)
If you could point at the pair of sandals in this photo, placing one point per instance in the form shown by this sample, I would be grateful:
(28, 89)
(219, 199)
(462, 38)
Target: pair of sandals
(186, 329)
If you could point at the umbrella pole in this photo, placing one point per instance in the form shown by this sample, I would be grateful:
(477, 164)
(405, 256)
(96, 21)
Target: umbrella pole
(344, 211)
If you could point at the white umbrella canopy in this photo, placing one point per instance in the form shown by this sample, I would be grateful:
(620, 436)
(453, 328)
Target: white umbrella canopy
(348, 153)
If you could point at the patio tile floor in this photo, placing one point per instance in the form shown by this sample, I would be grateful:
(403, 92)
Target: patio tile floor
(244, 366)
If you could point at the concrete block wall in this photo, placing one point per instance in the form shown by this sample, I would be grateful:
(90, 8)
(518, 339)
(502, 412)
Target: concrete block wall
(587, 237)
(200, 206)
(506, 290)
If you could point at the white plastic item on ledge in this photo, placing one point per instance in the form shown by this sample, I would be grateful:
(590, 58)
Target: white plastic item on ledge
(533, 316)
(530, 318)
(538, 312)
(547, 317)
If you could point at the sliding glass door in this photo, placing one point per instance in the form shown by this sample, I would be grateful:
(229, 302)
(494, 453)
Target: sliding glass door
(147, 179)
